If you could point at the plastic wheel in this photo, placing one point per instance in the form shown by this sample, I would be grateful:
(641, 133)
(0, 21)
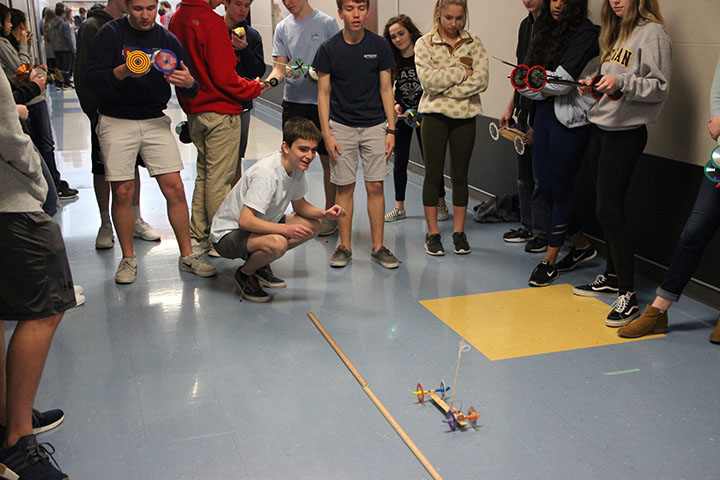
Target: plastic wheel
(494, 131)
(421, 393)
(518, 77)
(471, 412)
(519, 145)
(451, 420)
(536, 78)
(442, 389)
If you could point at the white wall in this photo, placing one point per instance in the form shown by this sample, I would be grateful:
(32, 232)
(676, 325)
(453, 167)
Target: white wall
(680, 133)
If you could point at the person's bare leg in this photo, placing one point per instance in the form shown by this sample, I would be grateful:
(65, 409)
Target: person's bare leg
(294, 218)
(459, 214)
(345, 200)
(264, 249)
(376, 212)
(330, 188)
(122, 214)
(551, 254)
(102, 192)
(136, 197)
(174, 192)
(26, 356)
(662, 304)
(431, 219)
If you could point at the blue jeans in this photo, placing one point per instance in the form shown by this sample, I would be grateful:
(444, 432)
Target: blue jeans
(700, 227)
(42, 137)
(535, 212)
(557, 152)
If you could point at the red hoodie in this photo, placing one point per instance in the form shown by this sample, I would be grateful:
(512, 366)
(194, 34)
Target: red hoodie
(204, 35)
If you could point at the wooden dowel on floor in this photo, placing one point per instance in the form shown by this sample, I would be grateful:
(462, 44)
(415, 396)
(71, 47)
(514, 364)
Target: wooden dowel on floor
(396, 426)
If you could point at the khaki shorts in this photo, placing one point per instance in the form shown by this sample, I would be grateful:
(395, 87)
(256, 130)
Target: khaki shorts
(121, 140)
(367, 143)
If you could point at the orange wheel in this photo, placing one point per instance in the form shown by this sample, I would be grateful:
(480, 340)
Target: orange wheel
(471, 416)
(137, 61)
(420, 392)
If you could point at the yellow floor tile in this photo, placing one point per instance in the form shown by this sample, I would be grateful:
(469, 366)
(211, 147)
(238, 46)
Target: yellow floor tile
(531, 321)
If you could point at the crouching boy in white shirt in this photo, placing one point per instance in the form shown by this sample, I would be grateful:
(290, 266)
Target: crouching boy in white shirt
(251, 223)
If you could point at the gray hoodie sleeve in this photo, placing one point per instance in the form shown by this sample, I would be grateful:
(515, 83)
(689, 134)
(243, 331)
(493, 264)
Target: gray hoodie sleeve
(651, 83)
(10, 59)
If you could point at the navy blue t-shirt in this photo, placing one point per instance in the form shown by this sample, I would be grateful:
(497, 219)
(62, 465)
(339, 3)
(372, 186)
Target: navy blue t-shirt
(355, 78)
(132, 98)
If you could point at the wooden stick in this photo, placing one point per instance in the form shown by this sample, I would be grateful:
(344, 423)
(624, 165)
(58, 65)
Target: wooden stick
(398, 429)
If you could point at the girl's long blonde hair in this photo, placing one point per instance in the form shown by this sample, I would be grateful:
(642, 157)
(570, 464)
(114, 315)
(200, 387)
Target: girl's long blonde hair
(616, 30)
(441, 4)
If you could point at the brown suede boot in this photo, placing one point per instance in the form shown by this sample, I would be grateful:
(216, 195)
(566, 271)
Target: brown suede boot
(650, 322)
(715, 335)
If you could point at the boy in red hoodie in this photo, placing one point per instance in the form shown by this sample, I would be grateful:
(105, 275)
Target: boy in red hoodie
(214, 114)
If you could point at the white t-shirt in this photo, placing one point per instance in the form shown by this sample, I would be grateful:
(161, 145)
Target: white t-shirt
(266, 188)
(300, 39)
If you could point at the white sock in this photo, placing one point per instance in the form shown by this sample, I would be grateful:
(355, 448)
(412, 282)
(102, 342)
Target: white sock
(136, 212)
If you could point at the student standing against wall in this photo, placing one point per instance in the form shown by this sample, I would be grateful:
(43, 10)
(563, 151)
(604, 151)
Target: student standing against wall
(636, 55)
(401, 33)
(534, 209)
(453, 68)
(700, 228)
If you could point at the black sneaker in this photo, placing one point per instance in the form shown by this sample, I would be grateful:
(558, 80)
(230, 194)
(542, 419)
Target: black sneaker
(625, 310)
(462, 247)
(44, 421)
(65, 192)
(433, 245)
(266, 278)
(250, 288)
(575, 257)
(519, 235)
(543, 275)
(603, 285)
(28, 459)
(536, 245)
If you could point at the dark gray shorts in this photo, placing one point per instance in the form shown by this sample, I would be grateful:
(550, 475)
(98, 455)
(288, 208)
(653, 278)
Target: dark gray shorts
(35, 278)
(234, 244)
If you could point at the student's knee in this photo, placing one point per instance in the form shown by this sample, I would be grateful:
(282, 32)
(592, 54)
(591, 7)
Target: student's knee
(314, 225)
(173, 189)
(374, 188)
(123, 192)
(275, 245)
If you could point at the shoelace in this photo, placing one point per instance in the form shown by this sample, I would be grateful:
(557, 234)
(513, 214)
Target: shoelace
(38, 452)
(621, 303)
(599, 280)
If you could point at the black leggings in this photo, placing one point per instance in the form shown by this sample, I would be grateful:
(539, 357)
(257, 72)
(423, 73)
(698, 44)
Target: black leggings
(437, 132)
(613, 156)
(403, 138)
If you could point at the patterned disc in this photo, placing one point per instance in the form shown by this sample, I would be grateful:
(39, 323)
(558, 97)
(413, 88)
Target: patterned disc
(164, 60)
(137, 61)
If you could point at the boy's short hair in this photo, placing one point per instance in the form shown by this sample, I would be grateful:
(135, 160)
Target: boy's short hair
(300, 128)
(59, 9)
(341, 2)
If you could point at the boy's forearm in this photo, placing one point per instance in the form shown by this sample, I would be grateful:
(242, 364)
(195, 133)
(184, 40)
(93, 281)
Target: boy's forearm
(388, 98)
(308, 210)
(324, 104)
(249, 222)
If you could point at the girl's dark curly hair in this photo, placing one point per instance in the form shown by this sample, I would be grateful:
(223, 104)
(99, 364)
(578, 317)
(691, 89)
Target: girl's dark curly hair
(415, 34)
(552, 37)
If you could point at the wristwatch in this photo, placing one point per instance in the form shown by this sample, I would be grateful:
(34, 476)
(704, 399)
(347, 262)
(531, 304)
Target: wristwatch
(390, 131)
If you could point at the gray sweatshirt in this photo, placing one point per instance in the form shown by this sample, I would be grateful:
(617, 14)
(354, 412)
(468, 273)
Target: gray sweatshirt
(22, 185)
(11, 59)
(61, 36)
(642, 66)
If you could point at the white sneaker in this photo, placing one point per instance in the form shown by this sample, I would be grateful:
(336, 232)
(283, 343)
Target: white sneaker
(213, 253)
(394, 215)
(126, 271)
(143, 230)
(79, 297)
(200, 247)
(443, 213)
(194, 264)
(104, 237)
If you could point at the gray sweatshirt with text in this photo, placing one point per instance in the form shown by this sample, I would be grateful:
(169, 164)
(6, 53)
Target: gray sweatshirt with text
(642, 66)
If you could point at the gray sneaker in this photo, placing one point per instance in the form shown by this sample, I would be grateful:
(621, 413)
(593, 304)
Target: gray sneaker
(394, 215)
(385, 258)
(443, 213)
(126, 271)
(200, 246)
(194, 264)
(104, 237)
(142, 229)
(341, 257)
(328, 227)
